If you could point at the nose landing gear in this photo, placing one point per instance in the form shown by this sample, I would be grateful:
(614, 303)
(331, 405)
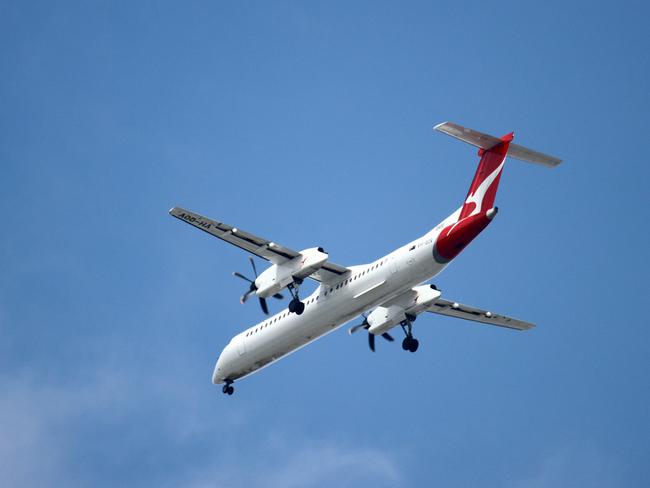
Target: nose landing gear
(228, 389)
(409, 343)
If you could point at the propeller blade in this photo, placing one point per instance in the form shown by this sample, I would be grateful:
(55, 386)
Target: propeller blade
(254, 267)
(352, 330)
(239, 275)
(371, 341)
(279, 296)
(264, 306)
(388, 337)
(245, 296)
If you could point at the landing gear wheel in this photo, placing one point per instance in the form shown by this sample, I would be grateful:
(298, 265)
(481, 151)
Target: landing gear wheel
(296, 306)
(410, 344)
(300, 308)
(228, 389)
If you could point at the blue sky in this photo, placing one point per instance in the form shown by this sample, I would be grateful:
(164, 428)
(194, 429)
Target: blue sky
(311, 124)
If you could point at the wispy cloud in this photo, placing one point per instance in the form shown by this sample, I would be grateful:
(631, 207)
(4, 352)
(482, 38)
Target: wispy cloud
(303, 463)
(575, 465)
(111, 429)
(328, 465)
(35, 422)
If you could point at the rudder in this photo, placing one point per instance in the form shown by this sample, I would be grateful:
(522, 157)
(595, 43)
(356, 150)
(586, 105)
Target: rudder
(482, 192)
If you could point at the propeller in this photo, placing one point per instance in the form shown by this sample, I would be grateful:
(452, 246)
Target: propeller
(253, 288)
(371, 337)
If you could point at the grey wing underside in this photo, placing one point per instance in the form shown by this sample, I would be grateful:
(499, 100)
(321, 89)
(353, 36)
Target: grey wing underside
(263, 248)
(458, 310)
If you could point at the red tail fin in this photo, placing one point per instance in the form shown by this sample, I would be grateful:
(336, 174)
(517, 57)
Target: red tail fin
(483, 190)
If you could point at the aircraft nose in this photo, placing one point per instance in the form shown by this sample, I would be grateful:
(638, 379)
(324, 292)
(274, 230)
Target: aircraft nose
(218, 375)
(221, 369)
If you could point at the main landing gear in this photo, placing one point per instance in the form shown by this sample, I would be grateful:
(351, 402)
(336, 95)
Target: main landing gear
(409, 343)
(228, 389)
(295, 305)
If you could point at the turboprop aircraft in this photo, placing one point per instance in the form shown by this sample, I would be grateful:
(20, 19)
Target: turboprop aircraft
(388, 292)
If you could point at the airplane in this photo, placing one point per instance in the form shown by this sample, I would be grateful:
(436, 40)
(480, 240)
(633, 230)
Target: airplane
(388, 292)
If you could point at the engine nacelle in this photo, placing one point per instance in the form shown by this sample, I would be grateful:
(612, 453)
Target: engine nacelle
(418, 300)
(383, 318)
(279, 276)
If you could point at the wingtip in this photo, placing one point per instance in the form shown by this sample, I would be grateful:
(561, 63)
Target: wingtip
(438, 126)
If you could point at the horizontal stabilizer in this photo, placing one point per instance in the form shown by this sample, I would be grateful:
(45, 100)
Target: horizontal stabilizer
(487, 142)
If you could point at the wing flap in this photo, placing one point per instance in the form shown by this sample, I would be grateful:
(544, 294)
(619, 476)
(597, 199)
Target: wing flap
(454, 309)
(330, 273)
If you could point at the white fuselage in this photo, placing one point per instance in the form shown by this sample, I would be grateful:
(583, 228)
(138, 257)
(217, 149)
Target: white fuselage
(331, 306)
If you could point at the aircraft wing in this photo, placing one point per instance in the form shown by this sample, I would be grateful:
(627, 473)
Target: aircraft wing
(453, 309)
(259, 246)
